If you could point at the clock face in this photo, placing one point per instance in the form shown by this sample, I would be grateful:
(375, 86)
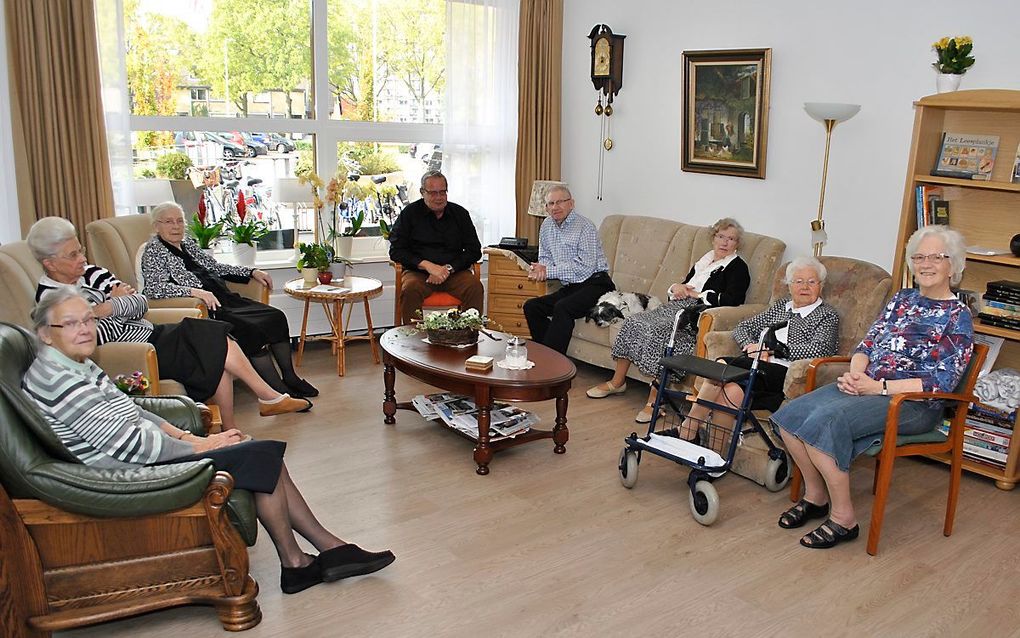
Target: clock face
(600, 66)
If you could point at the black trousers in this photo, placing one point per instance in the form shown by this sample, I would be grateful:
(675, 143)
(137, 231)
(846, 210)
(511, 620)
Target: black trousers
(551, 317)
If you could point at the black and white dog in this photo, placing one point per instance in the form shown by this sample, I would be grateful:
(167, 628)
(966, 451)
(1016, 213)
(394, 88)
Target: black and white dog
(616, 305)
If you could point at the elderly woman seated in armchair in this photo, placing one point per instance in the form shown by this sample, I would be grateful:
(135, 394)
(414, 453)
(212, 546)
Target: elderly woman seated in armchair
(812, 332)
(103, 427)
(196, 352)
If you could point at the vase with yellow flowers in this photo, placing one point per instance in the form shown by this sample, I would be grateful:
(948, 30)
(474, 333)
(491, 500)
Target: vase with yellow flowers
(954, 59)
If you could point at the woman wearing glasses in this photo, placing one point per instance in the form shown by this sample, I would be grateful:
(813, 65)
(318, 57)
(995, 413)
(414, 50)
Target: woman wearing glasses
(922, 342)
(195, 352)
(812, 331)
(719, 278)
(174, 266)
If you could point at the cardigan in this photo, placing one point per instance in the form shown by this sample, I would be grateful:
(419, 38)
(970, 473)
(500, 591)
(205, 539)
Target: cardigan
(727, 285)
(808, 337)
(165, 275)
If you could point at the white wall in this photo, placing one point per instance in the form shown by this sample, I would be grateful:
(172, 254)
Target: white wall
(870, 52)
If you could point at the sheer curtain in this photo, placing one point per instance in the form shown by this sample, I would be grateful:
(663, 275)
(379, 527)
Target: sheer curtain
(116, 105)
(480, 134)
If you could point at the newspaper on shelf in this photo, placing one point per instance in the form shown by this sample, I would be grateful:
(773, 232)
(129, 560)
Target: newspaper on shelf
(460, 413)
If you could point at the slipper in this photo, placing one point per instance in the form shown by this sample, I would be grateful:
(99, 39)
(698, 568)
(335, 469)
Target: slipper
(606, 389)
(801, 513)
(829, 534)
(645, 415)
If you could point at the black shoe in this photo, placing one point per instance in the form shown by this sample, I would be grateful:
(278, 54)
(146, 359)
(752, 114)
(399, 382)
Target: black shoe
(302, 388)
(295, 579)
(350, 560)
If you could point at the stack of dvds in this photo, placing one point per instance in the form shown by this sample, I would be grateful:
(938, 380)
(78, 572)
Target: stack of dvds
(1000, 305)
(987, 434)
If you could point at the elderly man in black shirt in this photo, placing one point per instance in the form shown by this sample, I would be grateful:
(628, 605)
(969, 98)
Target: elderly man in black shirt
(436, 243)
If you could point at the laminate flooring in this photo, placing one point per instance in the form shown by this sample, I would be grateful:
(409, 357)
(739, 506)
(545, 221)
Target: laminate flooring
(553, 545)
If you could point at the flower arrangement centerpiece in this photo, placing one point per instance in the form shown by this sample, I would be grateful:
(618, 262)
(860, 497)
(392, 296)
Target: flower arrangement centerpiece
(134, 384)
(204, 233)
(245, 228)
(453, 327)
(953, 54)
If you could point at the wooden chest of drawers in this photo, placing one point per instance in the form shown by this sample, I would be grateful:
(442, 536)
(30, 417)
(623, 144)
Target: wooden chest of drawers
(509, 288)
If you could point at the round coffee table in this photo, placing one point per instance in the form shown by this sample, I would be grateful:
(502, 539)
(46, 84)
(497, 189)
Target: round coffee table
(333, 297)
(405, 349)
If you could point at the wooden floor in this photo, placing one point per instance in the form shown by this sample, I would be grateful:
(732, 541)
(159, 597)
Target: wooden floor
(551, 545)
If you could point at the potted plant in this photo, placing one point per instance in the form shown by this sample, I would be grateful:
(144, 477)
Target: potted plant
(313, 260)
(453, 327)
(245, 230)
(174, 167)
(954, 59)
(205, 234)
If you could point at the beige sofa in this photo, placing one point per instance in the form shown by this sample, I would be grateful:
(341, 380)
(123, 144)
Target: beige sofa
(647, 254)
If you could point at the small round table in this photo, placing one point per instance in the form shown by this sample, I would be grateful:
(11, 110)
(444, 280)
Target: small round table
(333, 297)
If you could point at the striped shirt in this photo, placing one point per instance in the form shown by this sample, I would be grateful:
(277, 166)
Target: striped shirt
(571, 251)
(125, 323)
(98, 423)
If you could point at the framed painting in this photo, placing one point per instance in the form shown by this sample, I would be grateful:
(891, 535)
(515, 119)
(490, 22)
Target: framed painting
(726, 111)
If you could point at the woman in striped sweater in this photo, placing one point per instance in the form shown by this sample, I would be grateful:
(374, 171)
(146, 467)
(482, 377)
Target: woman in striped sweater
(196, 352)
(102, 427)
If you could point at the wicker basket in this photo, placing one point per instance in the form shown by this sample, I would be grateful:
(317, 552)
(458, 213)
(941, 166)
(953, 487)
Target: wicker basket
(460, 337)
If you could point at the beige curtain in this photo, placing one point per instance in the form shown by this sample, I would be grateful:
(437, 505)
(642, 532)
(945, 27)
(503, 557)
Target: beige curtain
(538, 123)
(60, 137)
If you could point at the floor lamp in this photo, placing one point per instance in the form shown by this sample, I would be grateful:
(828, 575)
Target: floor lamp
(828, 113)
(146, 193)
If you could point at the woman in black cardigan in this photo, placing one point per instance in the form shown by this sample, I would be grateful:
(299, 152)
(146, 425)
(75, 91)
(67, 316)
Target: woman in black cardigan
(719, 278)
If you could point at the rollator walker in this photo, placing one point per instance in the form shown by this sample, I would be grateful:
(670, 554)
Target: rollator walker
(705, 455)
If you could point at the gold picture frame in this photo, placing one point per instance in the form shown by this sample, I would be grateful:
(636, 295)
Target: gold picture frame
(726, 111)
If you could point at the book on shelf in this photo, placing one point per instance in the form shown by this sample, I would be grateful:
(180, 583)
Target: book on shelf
(1004, 286)
(994, 346)
(992, 302)
(966, 156)
(979, 450)
(940, 212)
(1016, 166)
(984, 410)
(999, 322)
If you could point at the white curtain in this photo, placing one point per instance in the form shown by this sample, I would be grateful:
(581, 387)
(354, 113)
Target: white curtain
(116, 105)
(480, 134)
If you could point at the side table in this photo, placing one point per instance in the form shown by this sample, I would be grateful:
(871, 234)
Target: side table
(333, 298)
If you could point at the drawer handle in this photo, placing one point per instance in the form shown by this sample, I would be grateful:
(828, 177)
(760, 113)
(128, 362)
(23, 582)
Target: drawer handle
(520, 306)
(520, 286)
(518, 324)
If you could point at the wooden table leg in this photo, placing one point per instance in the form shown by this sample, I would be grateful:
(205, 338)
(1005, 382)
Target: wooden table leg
(341, 363)
(389, 406)
(560, 432)
(304, 330)
(371, 331)
(483, 453)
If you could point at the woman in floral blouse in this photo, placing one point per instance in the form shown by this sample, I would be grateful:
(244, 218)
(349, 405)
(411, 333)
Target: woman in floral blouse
(922, 342)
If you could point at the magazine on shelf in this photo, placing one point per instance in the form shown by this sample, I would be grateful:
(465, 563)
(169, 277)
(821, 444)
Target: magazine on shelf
(994, 346)
(966, 156)
(1016, 166)
(460, 412)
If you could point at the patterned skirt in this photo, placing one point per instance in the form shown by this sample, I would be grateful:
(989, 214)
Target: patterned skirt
(643, 337)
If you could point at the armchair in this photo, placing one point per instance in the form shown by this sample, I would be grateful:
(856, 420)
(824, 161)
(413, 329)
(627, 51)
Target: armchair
(87, 545)
(948, 448)
(19, 277)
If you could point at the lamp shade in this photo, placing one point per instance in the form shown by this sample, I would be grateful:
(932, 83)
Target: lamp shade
(149, 192)
(287, 190)
(536, 205)
(835, 111)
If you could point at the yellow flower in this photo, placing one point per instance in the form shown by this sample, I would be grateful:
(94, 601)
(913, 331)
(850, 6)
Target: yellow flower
(962, 40)
(316, 202)
(315, 180)
(941, 44)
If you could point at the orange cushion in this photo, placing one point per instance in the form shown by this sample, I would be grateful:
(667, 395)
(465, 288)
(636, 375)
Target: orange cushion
(440, 299)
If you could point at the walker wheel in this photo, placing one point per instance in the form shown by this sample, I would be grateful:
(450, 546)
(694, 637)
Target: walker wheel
(628, 468)
(704, 501)
(777, 474)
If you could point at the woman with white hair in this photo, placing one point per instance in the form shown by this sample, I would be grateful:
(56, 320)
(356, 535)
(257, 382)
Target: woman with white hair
(174, 266)
(102, 427)
(812, 331)
(922, 342)
(196, 352)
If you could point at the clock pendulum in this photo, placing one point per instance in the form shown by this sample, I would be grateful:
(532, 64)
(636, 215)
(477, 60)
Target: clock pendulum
(607, 76)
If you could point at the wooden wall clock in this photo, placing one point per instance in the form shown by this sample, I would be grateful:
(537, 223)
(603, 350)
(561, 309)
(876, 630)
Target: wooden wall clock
(607, 76)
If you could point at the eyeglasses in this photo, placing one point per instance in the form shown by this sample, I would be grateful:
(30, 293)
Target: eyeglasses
(935, 258)
(558, 202)
(75, 324)
(74, 254)
(434, 193)
(176, 221)
(801, 282)
(722, 237)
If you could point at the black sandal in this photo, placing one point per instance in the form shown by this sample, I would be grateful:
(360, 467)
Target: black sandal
(829, 534)
(801, 513)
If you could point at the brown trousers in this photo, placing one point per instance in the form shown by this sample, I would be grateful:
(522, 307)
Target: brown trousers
(463, 285)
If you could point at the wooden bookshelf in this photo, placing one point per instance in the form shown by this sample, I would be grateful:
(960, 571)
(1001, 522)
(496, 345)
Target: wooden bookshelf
(987, 213)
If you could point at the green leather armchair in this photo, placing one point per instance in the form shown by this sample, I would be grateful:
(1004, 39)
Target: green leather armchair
(86, 545)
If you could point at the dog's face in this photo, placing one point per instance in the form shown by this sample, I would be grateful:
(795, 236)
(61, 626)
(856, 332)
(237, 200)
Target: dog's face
(603, 314)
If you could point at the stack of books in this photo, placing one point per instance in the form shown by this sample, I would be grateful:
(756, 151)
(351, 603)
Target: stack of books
(987, 435)
(1000, 305)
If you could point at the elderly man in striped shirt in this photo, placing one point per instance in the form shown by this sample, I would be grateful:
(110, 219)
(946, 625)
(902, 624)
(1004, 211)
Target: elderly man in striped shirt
(569, 249)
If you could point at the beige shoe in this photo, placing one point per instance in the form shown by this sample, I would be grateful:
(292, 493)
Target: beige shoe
(284, 405)
(645, 415)
(603, 390)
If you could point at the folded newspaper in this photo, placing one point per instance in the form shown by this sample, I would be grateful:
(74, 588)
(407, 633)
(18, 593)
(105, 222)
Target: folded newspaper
(461, 413)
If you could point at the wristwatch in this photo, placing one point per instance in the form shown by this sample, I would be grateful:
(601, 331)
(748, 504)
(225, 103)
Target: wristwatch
(885, 388)
(448, 267)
